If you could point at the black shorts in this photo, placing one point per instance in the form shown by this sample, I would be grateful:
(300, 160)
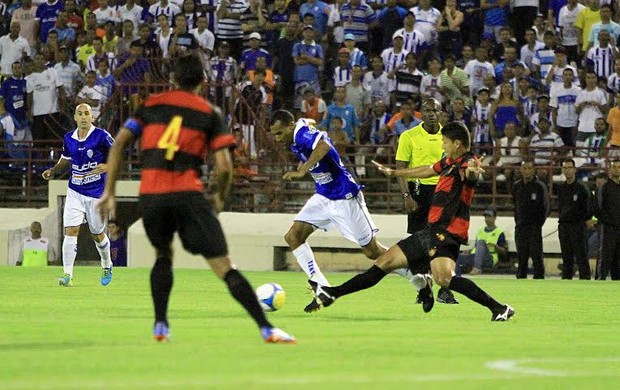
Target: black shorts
(188, 213)
(422, 247)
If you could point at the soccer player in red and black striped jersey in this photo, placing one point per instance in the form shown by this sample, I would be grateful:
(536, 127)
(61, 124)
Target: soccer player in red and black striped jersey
(178, 128)
(438, 244)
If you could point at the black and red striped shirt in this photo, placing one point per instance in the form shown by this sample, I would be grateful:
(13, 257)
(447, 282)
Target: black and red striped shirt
(453, 195)
(178, 128)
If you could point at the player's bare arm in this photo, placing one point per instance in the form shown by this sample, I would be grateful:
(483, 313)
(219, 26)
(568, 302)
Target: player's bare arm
(101, 168)
(223, 177)
(322, 148)
(107, 202)
(421, 172)
(60, 166)
(474, 169)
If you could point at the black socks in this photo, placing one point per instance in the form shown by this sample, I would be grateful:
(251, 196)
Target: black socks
(358, 282)
(472, 291)
(161, 285)
(241, 290)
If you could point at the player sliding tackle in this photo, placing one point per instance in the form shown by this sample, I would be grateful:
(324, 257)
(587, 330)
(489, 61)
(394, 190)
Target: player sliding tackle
(338, 201)
(438, 244)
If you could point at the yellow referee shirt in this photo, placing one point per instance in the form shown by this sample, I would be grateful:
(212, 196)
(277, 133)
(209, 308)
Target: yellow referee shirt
(416, 147)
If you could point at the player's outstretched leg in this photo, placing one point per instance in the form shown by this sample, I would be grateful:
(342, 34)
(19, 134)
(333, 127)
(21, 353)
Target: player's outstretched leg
(499, 311)
(241, 290)
(161, 285)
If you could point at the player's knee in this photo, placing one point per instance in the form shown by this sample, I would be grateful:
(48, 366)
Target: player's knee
(373, 250)
(443, 280)
(293, 239)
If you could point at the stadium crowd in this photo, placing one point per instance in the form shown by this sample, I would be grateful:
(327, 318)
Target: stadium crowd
(526, 77)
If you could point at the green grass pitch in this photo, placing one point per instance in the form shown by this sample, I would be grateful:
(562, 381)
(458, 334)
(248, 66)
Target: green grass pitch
(566, 334)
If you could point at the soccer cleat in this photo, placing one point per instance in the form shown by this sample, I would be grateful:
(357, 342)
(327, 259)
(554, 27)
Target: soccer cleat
(276, 336)
(312, 306)
(426, 295)
(161, 332)
(66, 280)
(505, 314)
(323, 298)
(106, 276)
(445, 296)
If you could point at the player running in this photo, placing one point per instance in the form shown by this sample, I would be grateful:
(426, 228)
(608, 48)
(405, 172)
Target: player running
(177, 129)
(86, 150)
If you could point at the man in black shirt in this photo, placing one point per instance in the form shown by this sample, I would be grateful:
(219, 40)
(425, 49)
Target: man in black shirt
(608, 214)
(531, 201)
(574, 209)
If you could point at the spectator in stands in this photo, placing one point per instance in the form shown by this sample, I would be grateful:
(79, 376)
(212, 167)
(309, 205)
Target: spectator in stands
(613, 81)
(253, 20)
(564, 113)
(163, 34)
(99, 55)
(405, 122)
(413, 39)
(45, 94)
(15, 97)
(449, 31)
(356, 56)
(489, 245)
(482, 142)
(460, 113)
(132, 69)
(130, 12)
(376, 82)
(191, 15)
(543, 110)
(495, 16)
(308, 57)
(85, 48)
(270, 81)
(91, 94)
(105, 14)
(357, 95)
(182, 43)
(339, 138)
(46, 15)
(8, 134)
(544, 58)
(378, 120)
(313, 107)
(91, 25)
(205, 38)
(605, 24)
(284, 64)
(277, 20)
(390, 19)
(74, 20)
(455, 81)
(430, 86)
(118, 244)
(601, 57)
(554, 78)
(546, 147)
(476, 69)
(608, 214)
(569, 33)
(586, 18)
(26, 17)
(531, 201)
(110, 39)
(251, 108)
(505, 40)
(507, 156)
(69, 72)
(504, 110)
(427, 21)
(66, 34)
(229, 24)
(222, 70)
(12, 48)
(127, 36)
(36, 250)
(320, 11)
(510, 60)
(408, 80)
(358, 17)
(591, 104)
(594, 154)
(164, 7)
(613, 119)
(345, 111)
(342, 72)
(529, 49)
(151, 51)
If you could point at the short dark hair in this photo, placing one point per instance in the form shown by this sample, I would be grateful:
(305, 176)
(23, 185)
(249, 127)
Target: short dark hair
(456, 131)
(568, 160)
(285, 117)
(188, 72)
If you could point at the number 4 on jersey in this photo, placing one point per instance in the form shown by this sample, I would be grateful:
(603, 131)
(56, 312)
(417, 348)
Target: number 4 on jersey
(169, 140)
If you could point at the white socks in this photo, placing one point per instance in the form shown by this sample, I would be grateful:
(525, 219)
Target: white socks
(103, 248)
(305, 259)
(419, 281)
(69, 251)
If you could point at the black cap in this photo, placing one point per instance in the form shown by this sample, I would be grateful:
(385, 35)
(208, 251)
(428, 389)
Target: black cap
(490, 211)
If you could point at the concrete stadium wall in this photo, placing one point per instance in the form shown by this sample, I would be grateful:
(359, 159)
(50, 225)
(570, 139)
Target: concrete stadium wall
(255, 241)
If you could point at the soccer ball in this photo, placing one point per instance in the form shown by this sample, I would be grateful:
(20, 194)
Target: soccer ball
(271, 296)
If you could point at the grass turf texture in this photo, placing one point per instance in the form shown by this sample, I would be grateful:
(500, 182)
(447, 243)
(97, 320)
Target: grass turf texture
(565, 335)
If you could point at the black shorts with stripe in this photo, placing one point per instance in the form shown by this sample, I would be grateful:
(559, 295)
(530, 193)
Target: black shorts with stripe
(422, 247)
(189, 214)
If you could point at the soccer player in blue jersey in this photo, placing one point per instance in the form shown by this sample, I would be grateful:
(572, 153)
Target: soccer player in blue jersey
(85, 150)
(338, 201)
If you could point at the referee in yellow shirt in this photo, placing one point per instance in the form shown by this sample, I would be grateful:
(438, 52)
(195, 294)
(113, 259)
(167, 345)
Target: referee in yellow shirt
(421, 145)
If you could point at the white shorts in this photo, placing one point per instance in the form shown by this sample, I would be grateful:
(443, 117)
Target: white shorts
(349, 216)
(80, 209)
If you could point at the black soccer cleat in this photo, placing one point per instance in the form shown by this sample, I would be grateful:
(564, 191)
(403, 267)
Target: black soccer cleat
(504, 314)
(322, 297)
(312, 306)
(444, 295)
(428, 301)
(418, 299)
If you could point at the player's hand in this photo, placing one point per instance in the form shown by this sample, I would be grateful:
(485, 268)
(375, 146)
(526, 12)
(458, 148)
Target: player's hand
(410, 204)
(474, 167)
(293, 175)
(101, 168)
(106, 206)
(383, 169)
(48, 174)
